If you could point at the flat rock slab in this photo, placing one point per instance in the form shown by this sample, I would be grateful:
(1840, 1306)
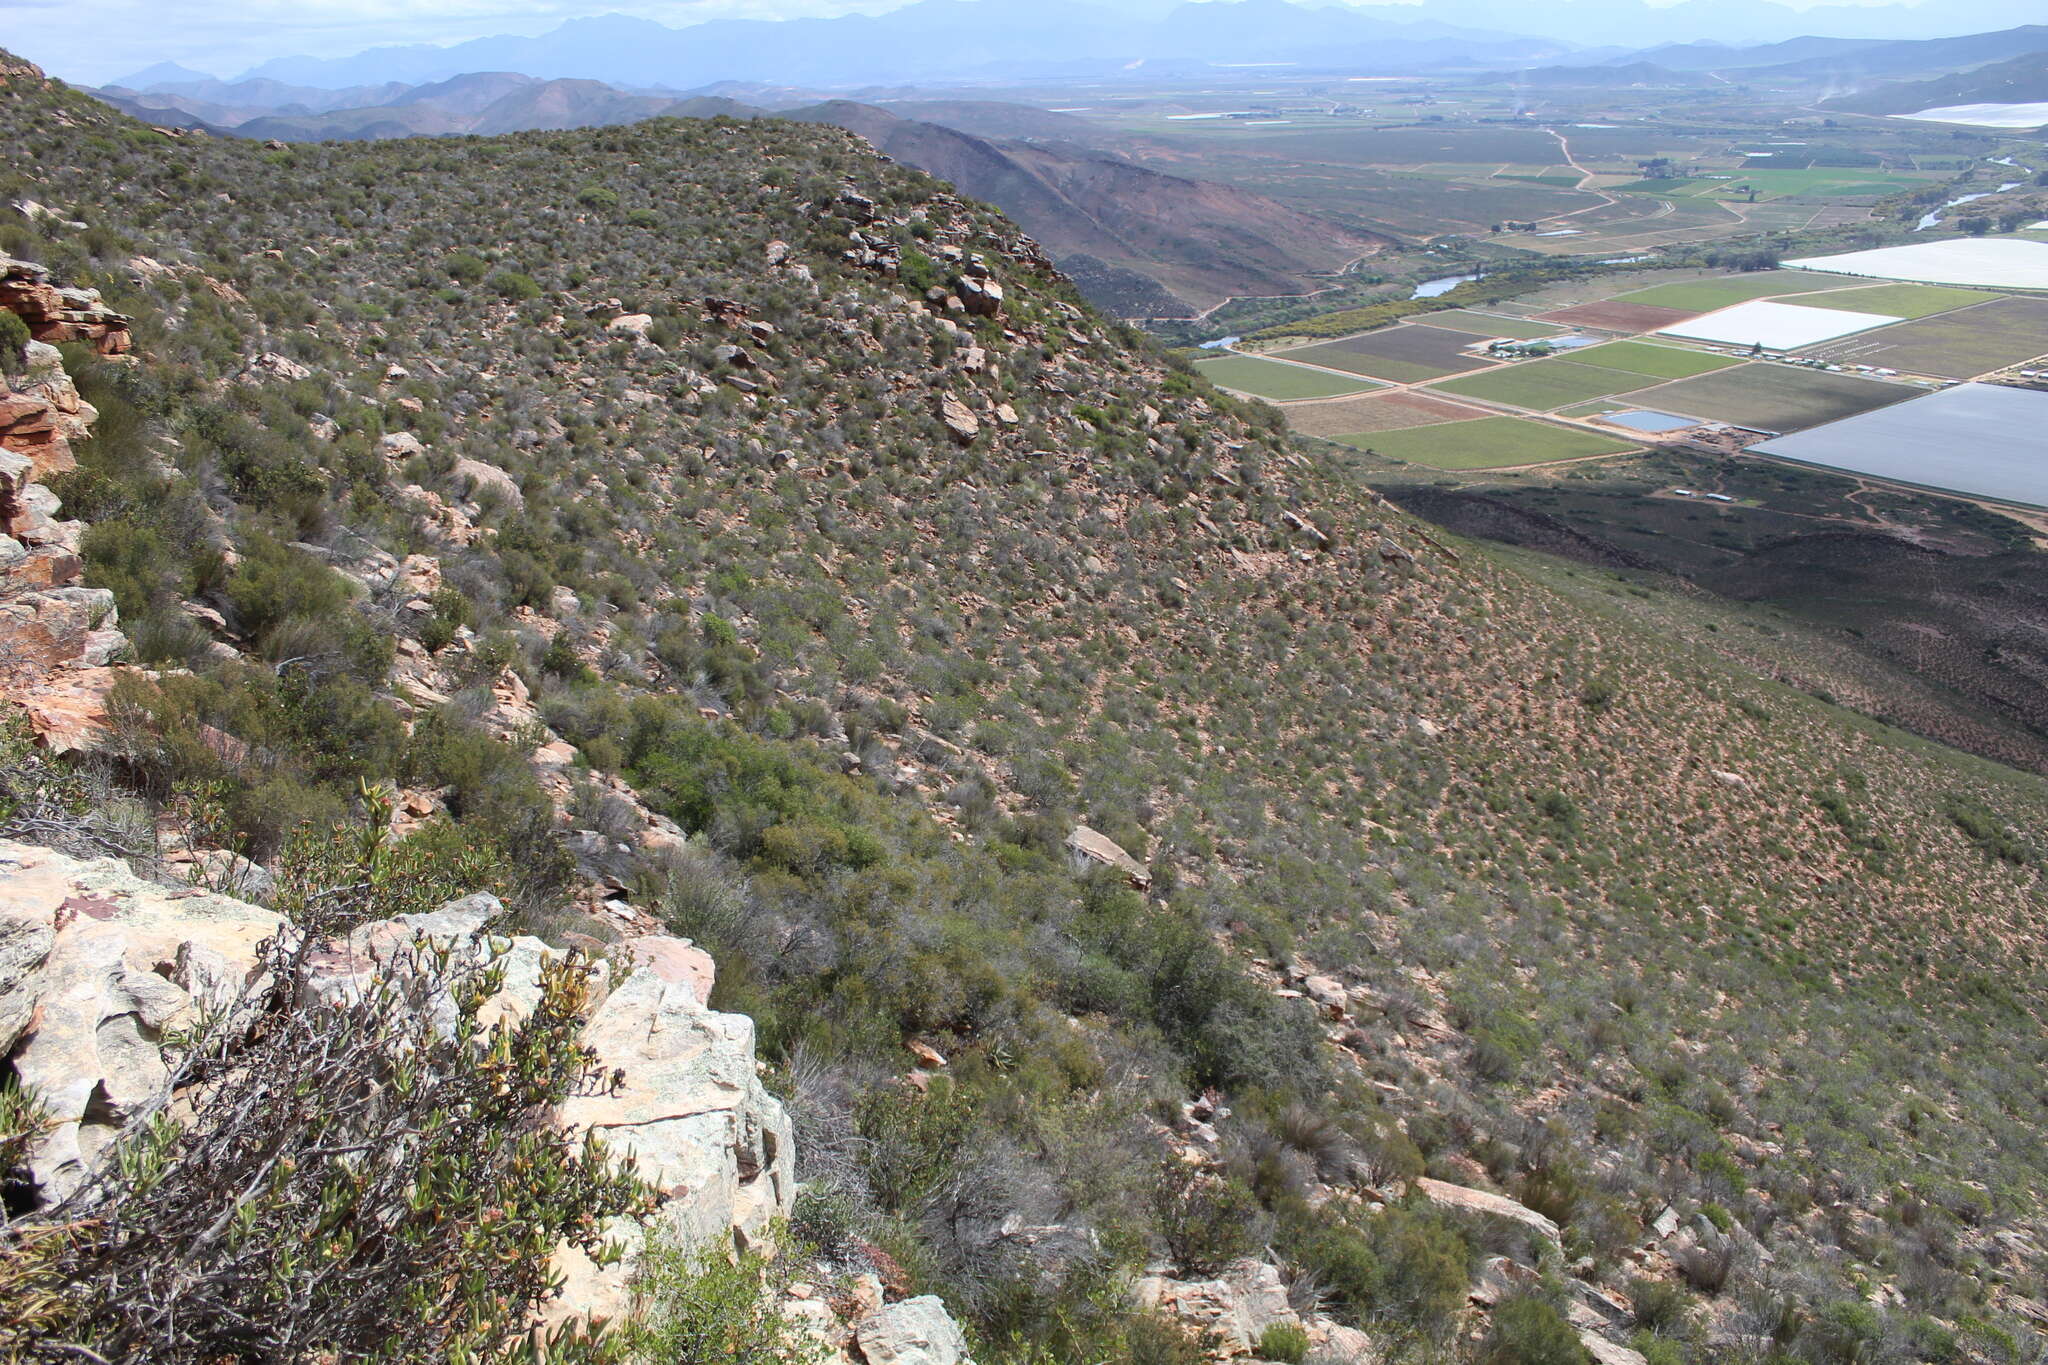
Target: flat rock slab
(1448, 1196)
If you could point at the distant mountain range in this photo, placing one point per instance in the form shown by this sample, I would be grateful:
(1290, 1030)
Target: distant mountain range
(1849, 60)
(964, 39)
(1617, 76)
(931, 39)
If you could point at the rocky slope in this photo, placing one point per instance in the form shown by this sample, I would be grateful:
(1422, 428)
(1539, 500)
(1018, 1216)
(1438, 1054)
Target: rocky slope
(1202, 241)
(733, 532)
(1147, 243)
(56, 635)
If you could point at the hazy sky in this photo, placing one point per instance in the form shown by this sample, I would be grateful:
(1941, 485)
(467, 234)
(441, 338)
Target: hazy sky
(94, 41)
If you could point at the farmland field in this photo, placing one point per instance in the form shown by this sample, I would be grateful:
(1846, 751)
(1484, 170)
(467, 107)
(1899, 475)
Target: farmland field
(1701, 295)
(1404, 354)
(1820, 182)
(1776, 326)
(1375, 412)
(1958, 345)
(1280, 382)
(1773, 397)
(1661, 362)
(1974, 438)
(1544, 384)
(1492, 325)
(1620, 317)
(1488, 443)
(1899, 300)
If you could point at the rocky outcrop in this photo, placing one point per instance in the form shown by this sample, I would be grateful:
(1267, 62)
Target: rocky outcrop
(54, 313)
(911, 1332)
(717, 1148)
(1092, 846)
(97, 964)
(1464, 1199)
(56, 636)
(1234, 1309)
(1236, 1306)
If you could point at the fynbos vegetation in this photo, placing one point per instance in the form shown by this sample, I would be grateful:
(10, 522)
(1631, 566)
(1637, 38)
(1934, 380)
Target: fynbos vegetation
(1160, 875)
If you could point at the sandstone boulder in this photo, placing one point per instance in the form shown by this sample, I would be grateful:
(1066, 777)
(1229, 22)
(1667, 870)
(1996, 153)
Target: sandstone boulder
(914, 1332)
(716, 1146)
(674, 960)
(271, 365)
(981, 297)
(959, 419)
(1467, 1200)
(1605, 1352)
(95, 964)
(482, 478)
(1238, 1305)
(1092, 846)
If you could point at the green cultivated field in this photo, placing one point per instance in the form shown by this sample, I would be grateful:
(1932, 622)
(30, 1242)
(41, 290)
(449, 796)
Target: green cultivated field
(1277, 380)
(1491, 325)
(1900, 300)
(1955, 345)
(1818, 182)
(1709, 294)
(1544, 384)
(1774, 397)
(1660, 362)
(1488, 443)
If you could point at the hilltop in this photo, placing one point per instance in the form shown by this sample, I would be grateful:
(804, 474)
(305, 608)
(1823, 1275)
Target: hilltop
(713, 522)
(1141, 242)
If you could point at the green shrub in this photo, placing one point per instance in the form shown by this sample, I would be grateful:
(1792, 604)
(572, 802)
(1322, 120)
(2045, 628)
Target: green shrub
(465, 267)
(276, 583)
(1660, 1306)
(1421, 1277)
(1285, 1342)
(14, 339)
(711, 1308)
(1528, 1330)
(1206, 1220)
(1842, 1332)
(355, 1179)
(514, 286)
(1984, 829)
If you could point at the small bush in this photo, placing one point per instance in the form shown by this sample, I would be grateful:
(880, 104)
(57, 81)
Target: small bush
(1207, 1221)
(514, 286)
(1528, 1330)
(1285, 1342)
(14, 339)
(712, 1309)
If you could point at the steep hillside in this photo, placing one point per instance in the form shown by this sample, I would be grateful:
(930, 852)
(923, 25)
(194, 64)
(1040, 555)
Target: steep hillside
(1914, 56)
(2021, 80)
(712, 521)
(1202, 241)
